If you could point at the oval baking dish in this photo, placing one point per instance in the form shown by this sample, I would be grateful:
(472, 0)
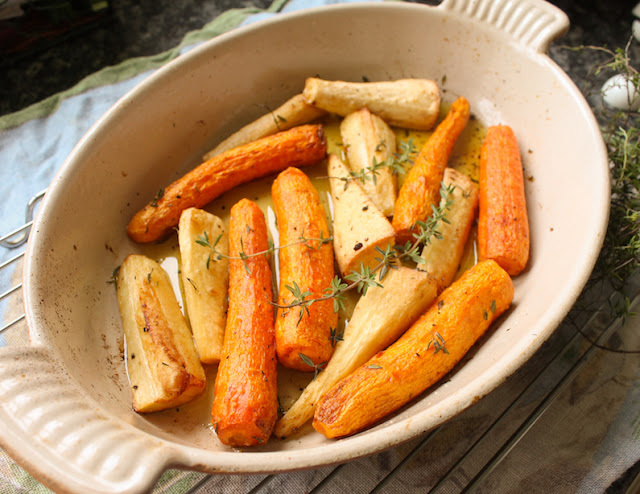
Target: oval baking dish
(65, 404)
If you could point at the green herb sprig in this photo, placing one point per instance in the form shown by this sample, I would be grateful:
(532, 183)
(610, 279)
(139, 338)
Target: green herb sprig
(619, 259)
(215, 255)
(388, 259)
(398, 164)
(317, 368)
(618, 263)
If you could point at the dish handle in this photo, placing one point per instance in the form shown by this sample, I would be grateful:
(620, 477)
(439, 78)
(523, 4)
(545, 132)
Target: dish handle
(65, 440)
(532, 23)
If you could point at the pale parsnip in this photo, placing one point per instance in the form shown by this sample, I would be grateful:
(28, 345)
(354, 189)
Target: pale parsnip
(358, 225)
(379, 318)
(410, 103)
(370, 141)
(205, 280)
(295, 111)
(442, 256)
(162, 361)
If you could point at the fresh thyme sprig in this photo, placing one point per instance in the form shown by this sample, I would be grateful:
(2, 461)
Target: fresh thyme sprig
(397, 164)
(618, 264)
(317, 368)
(215, 255)
(389, 259)
(438, 343)
(336, 336)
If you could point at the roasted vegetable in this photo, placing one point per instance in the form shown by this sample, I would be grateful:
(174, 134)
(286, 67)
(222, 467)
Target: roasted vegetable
(410, 103)
(442, 255)
(371, 145)
(295, 111)
(163, 365)
(380, 317)
(245, 405)
(433, 345)
(420, 190)
(503, 226)
(358, 225)
(300, 146)
(205, 279)
(305, 267)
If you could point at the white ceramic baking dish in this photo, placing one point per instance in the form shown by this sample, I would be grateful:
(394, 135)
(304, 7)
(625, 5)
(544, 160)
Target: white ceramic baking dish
(64, 401)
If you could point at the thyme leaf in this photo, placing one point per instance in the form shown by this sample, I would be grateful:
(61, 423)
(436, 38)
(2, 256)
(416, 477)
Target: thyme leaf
(317, 368)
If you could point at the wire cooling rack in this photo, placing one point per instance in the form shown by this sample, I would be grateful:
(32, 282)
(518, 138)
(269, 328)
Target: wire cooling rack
(493, 446)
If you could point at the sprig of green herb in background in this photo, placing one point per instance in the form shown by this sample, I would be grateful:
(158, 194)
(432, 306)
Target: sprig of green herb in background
(617, 267)
(619, 259)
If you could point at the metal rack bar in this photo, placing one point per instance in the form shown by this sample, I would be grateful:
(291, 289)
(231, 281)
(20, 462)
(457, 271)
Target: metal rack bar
(11, 261)
(414, 452)
(11, 324)
(10, 291)
(11, 239)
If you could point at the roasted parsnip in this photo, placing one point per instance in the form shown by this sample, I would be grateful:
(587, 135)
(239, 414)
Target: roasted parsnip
(410, 103)
(301, 146)
(205, 280)
(379, 318)
(163, 365)
(420, 190)
(369, 141)
(442, 255)
(307, 265)
(295, 111)
(358, 225)
(433, 345)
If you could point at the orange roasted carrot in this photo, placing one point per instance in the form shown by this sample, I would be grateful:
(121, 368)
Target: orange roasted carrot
(429, 349)
(300, 146)
(308, 266)
(421, 188)
(245, 405)
(503, 224)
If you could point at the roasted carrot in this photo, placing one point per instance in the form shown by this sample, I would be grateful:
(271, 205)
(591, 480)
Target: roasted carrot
(421, 188)
(245, 405)
(308, 266)
(429, 349)
(300, 146)
(503, 224)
